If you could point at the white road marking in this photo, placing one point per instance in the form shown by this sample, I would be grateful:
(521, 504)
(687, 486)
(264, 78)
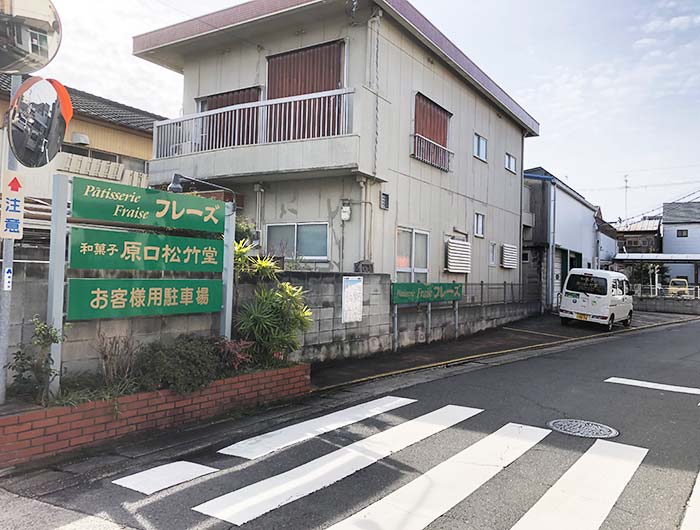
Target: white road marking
(691, 520)
(655, 386)
(273, 441)
(248, 503)
(583, 497)
(422, 501)
(165, 476)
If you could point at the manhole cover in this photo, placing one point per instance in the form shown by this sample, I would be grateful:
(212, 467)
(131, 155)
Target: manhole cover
(583, 428)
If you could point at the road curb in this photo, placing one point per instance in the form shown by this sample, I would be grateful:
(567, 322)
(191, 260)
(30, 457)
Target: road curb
(475, 357)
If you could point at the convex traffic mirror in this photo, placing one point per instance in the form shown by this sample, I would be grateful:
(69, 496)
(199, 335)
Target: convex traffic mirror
(38, 117)
(30, 35)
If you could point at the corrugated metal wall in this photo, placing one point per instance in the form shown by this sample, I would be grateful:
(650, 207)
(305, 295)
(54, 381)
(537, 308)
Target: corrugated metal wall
(431, 120)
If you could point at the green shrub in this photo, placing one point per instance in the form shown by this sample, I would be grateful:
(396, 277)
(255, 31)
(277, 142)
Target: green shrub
(273, 322)
(189, 363)
(33, 366)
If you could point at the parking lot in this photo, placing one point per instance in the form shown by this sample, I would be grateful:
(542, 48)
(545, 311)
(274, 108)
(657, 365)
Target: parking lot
(537, 331)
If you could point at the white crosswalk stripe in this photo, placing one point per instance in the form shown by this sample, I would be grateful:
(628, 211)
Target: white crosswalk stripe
(654, 386)
(267, 443)
(583, 497)
(248, 503)
(163, 477)
(420, 502)
(691, 519)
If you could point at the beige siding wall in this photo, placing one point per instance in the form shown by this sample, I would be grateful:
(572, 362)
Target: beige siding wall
(427, 198)
(421, 196)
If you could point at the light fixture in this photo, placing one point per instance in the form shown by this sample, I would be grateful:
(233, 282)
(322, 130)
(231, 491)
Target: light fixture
(175, 185)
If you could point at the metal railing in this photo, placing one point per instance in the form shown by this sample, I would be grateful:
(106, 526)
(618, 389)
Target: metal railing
(500, 293)
(305, 117)
(692, 292)
(431, 153)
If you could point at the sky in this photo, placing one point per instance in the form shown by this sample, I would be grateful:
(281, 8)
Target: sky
(615, 85)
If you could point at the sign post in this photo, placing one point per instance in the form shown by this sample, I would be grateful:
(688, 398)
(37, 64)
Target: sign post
(8, 258)
(226, 323)
(57, 268)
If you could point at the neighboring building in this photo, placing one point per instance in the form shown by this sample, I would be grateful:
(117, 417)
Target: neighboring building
(105, 139)
(360, 138)
(561, 231)
(681, 229)
(640, 237)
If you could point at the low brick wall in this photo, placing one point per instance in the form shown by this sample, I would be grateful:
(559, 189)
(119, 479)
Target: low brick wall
(44, 432)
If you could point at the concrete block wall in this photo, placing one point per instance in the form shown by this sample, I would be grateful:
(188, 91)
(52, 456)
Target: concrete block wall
(667, 305)
(30, 298)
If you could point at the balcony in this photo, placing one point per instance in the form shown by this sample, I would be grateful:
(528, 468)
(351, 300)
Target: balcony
(307, 134)
(431, 153)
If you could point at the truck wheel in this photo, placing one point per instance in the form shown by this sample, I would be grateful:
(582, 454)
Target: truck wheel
(628, 322)
(611, 323)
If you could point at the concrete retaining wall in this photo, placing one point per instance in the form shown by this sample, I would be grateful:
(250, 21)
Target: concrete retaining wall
(667, 305)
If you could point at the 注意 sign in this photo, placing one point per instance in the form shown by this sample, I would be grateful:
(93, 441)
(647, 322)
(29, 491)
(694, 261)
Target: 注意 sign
(12, 217)
(104, 201)
(90, 299)
(106, 249)
(415, 293)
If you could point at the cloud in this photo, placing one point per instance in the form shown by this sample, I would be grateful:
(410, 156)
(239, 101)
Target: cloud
(644, 43)
(678, 23)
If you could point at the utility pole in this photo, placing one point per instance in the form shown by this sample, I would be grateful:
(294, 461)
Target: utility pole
(8, 256)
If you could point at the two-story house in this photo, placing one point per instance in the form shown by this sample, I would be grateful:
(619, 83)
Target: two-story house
(359, 136)
(681, 229)
(640, 237)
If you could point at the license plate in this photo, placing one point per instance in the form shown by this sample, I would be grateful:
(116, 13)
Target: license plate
(579, 316)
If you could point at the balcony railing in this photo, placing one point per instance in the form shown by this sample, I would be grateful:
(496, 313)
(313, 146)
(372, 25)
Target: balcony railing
(305, 117)
(431, 153)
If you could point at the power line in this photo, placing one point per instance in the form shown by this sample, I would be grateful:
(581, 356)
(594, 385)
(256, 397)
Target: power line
(643, 186)
(670, 208)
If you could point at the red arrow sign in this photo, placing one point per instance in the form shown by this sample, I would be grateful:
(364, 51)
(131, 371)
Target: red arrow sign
(14, 185)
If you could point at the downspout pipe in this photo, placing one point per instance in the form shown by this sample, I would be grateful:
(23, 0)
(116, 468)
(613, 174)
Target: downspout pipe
(552, 240)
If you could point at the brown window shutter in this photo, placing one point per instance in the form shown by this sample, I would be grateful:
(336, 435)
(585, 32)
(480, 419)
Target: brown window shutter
(305, 71)
(431, 120)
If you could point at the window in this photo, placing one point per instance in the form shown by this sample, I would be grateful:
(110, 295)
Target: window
(133, 164)
(306, 241)
(384, 201)
(511, 163)
(480, 151)
(100, 155)
(681, 233)
(130, 163)
(526, 257)
(412, 255)
(40, 43)
(431, 133)
(493, 253)
(634, 242)
(580, 283)
(479, 224)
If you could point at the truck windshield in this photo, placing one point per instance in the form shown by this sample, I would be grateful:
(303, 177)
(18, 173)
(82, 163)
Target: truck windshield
(587, 284)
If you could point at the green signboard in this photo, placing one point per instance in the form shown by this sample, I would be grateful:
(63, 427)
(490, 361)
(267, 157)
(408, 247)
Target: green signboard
(414, 293)
(104, 201)
(106, 249)
(90, 299)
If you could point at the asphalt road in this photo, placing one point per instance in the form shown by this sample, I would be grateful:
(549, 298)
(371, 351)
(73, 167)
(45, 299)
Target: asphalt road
(449, 470)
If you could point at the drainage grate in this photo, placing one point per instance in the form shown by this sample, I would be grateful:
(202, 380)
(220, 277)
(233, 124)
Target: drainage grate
(583, 428)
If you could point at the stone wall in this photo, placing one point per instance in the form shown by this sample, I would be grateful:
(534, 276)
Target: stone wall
(667, 305)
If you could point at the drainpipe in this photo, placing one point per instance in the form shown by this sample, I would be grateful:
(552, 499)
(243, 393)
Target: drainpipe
(363, 209)
(522, 183)
(259, 190)
(552, 241)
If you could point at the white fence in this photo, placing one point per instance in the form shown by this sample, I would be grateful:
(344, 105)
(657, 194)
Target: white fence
(691, 292)
(305, 117)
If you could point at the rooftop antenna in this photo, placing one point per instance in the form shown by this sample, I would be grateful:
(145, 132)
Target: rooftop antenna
(626, 191)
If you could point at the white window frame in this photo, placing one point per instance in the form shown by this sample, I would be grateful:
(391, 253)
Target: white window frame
(318, 259)
(508, 159)
(412, 270)
(476, 147)
(525, 256)
(39, 33)
(684, 231)
(478, 233)
(493, 256)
